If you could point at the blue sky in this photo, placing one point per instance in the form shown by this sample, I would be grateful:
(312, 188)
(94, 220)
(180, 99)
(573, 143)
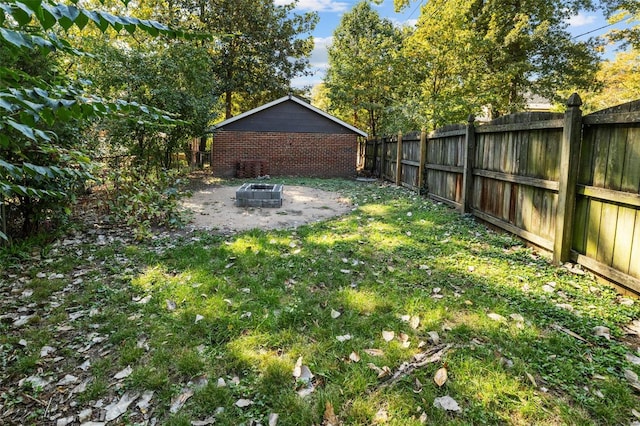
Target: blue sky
(331, 11)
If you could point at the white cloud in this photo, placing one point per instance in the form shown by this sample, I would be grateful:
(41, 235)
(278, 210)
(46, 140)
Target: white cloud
(317, 5)
(581, 19)
(319, 62)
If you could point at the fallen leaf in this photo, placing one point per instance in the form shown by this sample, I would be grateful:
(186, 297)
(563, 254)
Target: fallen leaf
(440, 377)
(273, 419)
(198, 318)
(335, 314)
(178, 401)
(635, 413)
(388, 335)
(297, 368)
(374, 352)
(447, 403)
(565, 306)
(532, 380)
(329, 418)
(632, 359)
(381, 416)
(632, 378)
(171, 305)
(35, 382)
(46, 351)
(123, 373)
(569, 332)
(144, 300)
(242, 403)
(496, 317)
(602, 331)
(354, 357)
(116, 409)
(343, 338)
(417, 386)
(221, 383)
(517, 317)
(145, 399)
(305, 374)
(64, 421)
(423, 418)
(306, 391)
(434, 337)
(414, 322)
(206, 422)
(67, 380)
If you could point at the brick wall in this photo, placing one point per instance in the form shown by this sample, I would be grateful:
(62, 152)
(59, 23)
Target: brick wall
(286, 154)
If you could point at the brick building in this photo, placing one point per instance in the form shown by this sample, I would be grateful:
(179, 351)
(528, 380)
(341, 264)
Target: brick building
(286, 137)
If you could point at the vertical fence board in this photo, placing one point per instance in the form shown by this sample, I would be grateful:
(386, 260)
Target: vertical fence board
(623, 239)
(580, 225)
(634, 262)
(600, 156)
(585, 169)
(593, 228)
(631, 177)
(615, 160)
(608, 224)
(514, 174)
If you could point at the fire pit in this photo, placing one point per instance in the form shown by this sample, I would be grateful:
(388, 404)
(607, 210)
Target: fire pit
(259, 195)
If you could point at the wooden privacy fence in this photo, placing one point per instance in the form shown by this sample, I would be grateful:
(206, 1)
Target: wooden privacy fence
(567, 183)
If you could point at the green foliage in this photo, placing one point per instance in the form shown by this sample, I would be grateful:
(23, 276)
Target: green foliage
(374, 266)
(175, 77)
(42, 112)
(494, 54)
(363, 68)
(266, 46)
(142, 201)
(624, 10)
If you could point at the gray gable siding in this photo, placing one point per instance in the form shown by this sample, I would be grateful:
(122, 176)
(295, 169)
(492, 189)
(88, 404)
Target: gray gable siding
(287, 117)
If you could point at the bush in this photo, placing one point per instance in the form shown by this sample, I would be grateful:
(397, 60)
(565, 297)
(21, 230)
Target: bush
(144, 201)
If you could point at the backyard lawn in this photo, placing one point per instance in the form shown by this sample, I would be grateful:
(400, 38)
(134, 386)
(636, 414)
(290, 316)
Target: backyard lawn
(402, 312)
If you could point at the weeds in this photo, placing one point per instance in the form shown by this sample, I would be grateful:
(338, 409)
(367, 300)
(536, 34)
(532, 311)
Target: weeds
(226, 318)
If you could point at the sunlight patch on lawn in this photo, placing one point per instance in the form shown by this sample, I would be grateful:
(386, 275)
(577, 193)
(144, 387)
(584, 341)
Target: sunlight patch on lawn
(376, 209)
(362, 301)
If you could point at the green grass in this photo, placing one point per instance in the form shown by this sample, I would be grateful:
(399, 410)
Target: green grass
(248, 306)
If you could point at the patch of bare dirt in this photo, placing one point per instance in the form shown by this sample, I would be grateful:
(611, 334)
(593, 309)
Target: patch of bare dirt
(214, 209)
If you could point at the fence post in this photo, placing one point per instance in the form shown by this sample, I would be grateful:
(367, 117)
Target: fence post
(399, 160)
(383, 158)
(423, 159)
(569, 157)
(467, 173)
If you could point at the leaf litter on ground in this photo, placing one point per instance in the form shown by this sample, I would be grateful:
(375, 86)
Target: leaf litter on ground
(62, 379)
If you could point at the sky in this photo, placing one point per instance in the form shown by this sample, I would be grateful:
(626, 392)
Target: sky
(331, 11)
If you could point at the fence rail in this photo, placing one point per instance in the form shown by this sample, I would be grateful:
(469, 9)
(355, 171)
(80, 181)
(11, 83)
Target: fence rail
(566, 183)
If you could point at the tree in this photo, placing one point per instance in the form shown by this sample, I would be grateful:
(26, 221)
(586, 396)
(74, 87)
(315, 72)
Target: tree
(40, 167)
(440, 55)
(173, 76)
(494, 52)
(263, 50)
(629, 11)
(618, 82)
(362, 62)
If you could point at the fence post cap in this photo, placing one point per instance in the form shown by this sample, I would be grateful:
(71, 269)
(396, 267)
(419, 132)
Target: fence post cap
(471, 118)
(574, 100)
